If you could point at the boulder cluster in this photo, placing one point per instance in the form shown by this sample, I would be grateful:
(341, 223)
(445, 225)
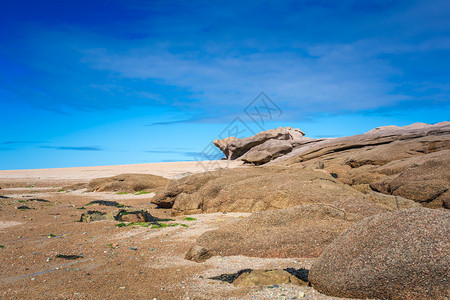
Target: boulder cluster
(371, 209)
(264, 146)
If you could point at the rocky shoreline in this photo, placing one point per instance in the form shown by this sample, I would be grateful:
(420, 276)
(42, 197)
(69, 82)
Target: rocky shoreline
(361, 217)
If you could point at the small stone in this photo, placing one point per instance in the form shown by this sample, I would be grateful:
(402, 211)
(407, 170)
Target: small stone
(133, 248)
(301, 295)
(198, 254)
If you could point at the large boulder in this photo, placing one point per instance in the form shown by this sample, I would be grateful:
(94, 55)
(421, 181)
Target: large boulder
(234, 148)
(395, 255)
(267, 151)
(300, 231)
(129, 183)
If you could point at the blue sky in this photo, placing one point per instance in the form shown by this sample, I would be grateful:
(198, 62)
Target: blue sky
(86, 83)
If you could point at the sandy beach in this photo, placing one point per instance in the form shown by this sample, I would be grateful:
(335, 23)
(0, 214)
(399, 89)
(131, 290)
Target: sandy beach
(165, 169)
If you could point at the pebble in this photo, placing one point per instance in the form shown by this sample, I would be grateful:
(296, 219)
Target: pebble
(133, 248)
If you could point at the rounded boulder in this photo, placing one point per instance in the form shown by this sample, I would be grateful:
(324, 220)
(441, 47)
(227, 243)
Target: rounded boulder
(396, 255)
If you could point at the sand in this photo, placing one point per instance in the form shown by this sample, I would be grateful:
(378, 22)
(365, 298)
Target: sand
(65, 176)
(168, 169)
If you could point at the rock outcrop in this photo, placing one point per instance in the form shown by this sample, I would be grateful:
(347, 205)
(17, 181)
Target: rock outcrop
(129, 183)
(234, 148)
(265, 188)
(426, 180)
(396, 255)
(412, 161)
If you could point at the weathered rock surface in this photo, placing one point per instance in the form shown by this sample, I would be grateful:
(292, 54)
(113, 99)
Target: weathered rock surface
(234, 148)
(267, 151)
(266, 188)
(129, 183)
(396, 255)
(426, 180)
(301, 231)
(412, 161)
(436, 138)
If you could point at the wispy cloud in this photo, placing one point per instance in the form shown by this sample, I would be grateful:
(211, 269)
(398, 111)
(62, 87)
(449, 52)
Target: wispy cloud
(173, 122)
(83, 148)
(162, 151)
(184, 153)
(21, 142)
(193, 154)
